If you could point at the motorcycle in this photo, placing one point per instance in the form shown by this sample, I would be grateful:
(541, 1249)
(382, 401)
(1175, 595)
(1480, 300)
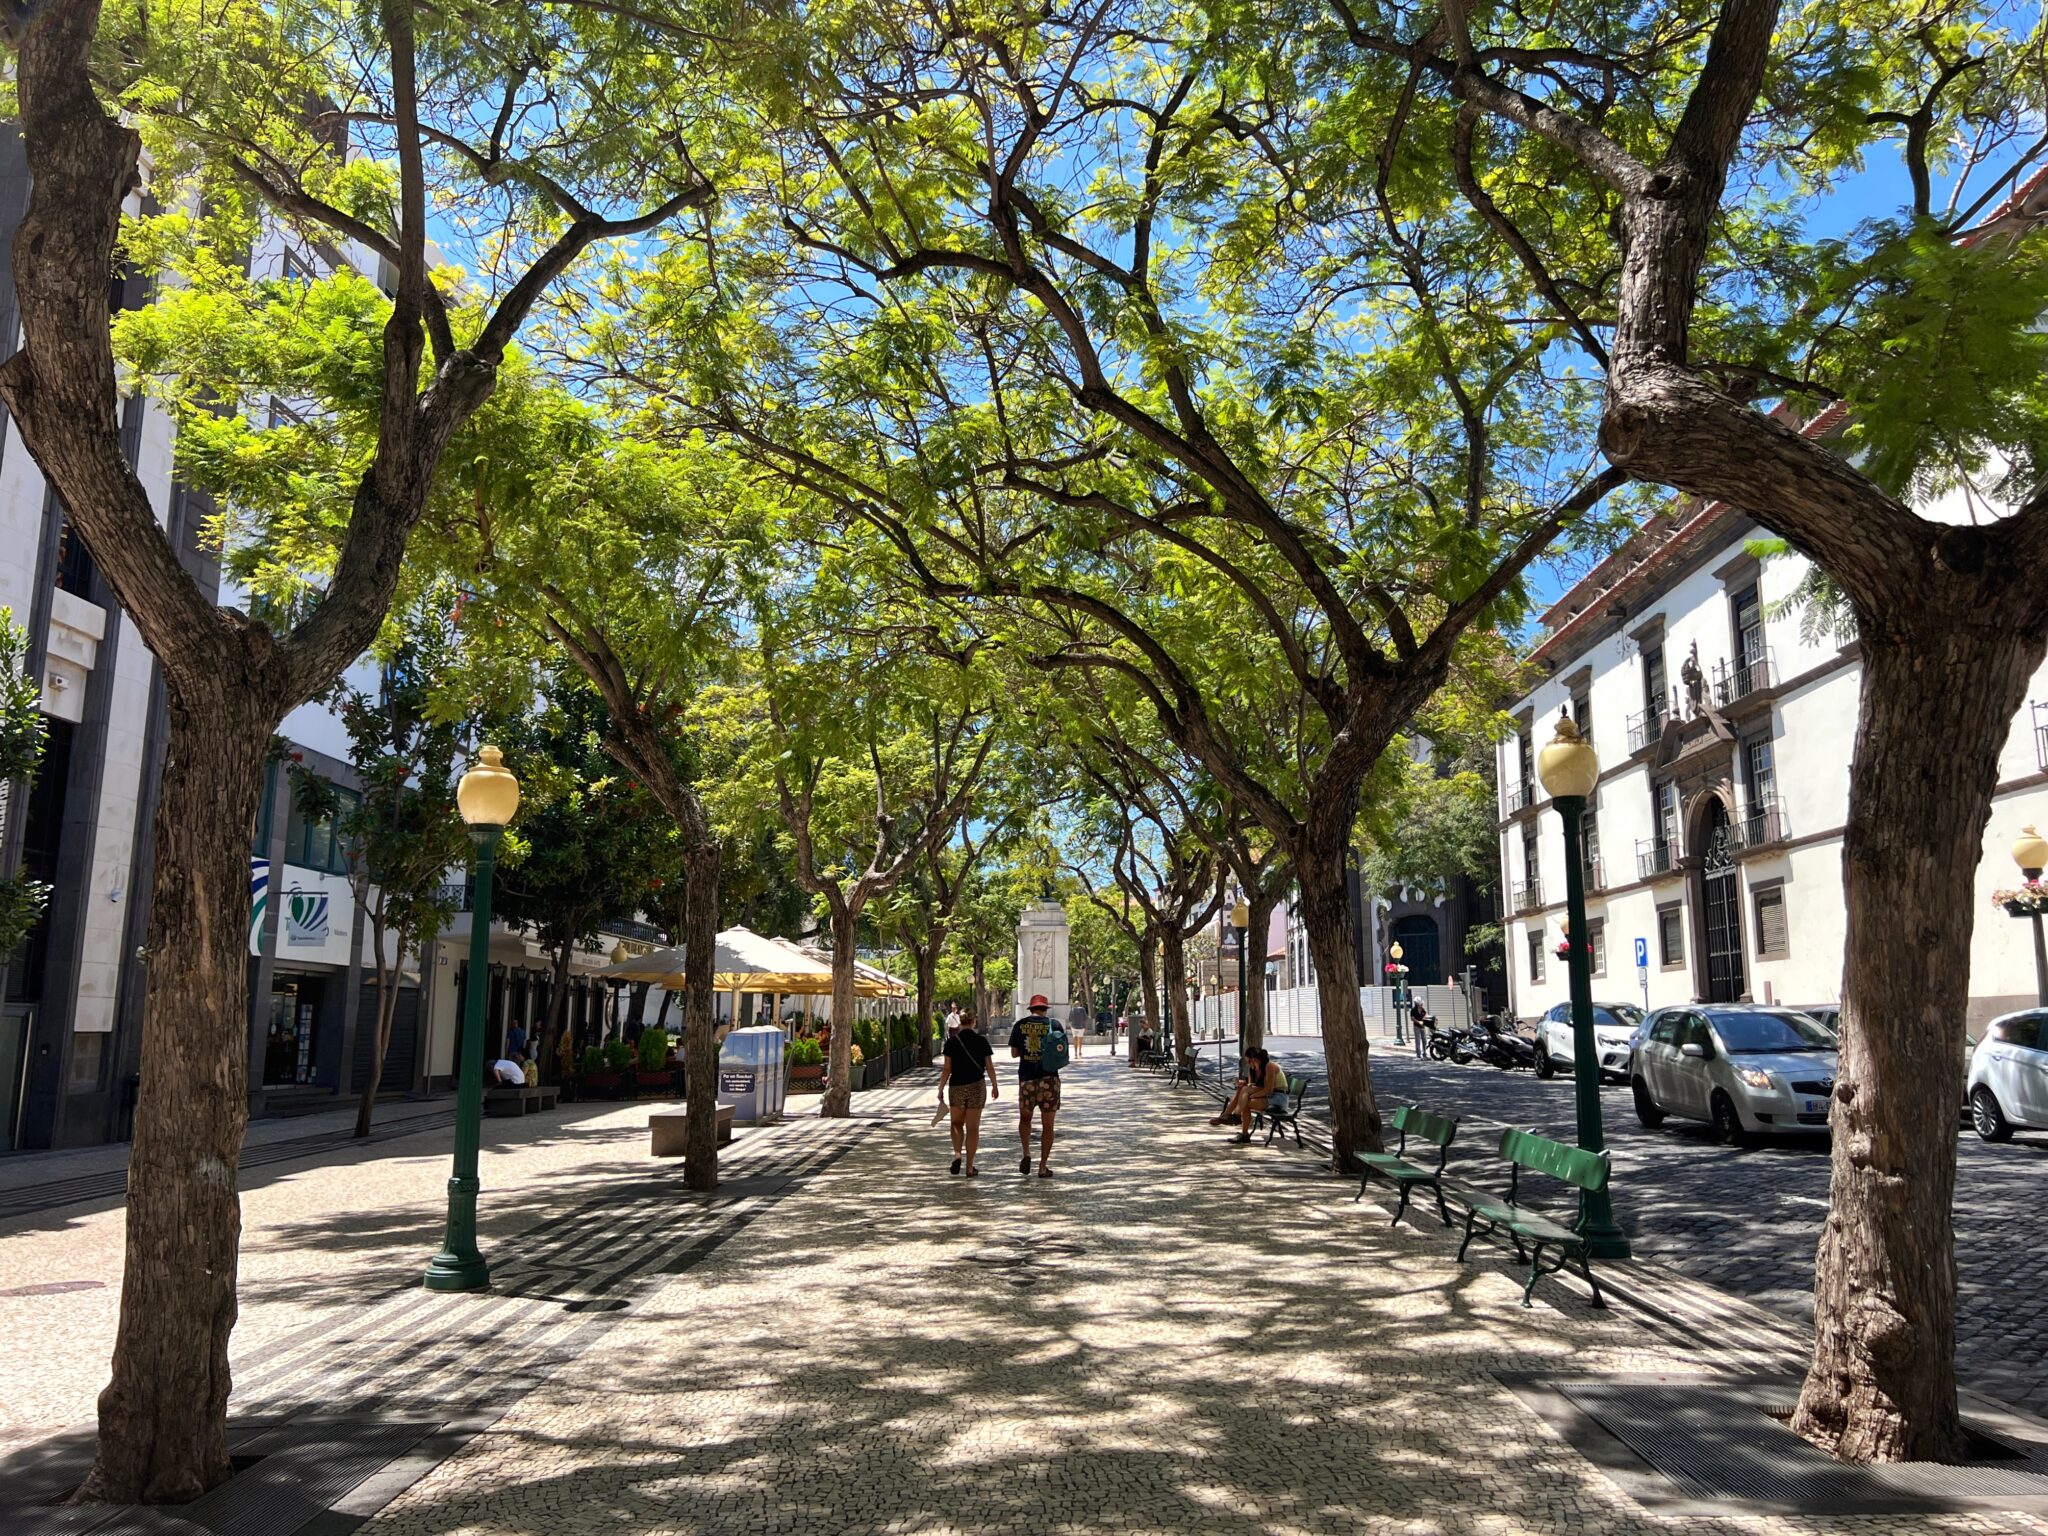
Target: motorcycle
(1454, 1044)
(1506, 1050)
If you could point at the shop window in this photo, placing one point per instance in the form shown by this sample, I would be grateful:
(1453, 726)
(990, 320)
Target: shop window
(1773, 940)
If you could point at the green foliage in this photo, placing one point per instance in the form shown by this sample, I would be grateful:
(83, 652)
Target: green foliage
(1817, 602)
(22, 733)
(651, 1054)
(805, 1051)
(591, 1062)
(617, 1055)
(1431, 823)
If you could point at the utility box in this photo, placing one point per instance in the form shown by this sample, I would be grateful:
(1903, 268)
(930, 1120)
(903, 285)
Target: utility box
(750, 1075)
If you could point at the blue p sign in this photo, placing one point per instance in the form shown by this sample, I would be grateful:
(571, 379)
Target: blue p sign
(1642, 953)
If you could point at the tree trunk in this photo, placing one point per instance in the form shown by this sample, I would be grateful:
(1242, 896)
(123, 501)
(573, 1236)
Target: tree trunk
(1253, 1003)
(981, 993)
(838, 1100)
(163, 1415)
(636, 1007)
(1937, 705)
(699, 927)
(387, 1008)
(927, 958)
(1148, 987)
(1326, 915)
(1174, 959)
(558, 1007)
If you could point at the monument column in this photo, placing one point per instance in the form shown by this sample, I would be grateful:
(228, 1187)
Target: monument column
(1042, 956)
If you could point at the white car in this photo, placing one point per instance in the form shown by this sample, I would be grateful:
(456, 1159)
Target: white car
(2008, 1081)
(1743, 1070)
(1614, 1027)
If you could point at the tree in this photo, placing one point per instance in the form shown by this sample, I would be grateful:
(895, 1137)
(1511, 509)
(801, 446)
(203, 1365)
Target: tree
(1822, 385)
(591, 844)
(406, 833)
(1135, 422)
(247, 108)
(22, 733)
(922, 909)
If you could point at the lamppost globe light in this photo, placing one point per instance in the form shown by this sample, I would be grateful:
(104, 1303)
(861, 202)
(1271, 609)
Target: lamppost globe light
(1241, 916)
(1567, 765)
(1396, 950)
(2030, 852)
(488, 795)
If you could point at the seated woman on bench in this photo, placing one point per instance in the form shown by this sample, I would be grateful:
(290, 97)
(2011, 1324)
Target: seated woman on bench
(1259, 1081)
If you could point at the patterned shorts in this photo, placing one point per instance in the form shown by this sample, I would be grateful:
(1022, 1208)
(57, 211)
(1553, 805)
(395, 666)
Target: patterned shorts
(968, 1095)
(1040, 1092)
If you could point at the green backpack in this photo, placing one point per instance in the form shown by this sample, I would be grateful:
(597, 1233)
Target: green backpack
(1052, 1049)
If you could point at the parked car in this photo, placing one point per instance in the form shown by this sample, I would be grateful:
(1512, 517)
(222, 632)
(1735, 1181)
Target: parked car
(1743, 1070)
(1829, 1014)
(2008, 1080)
(1614, 1026)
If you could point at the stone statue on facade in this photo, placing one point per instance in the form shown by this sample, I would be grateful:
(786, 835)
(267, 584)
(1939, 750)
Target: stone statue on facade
(1695, 683)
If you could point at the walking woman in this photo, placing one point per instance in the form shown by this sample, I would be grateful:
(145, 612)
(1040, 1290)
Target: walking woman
(967, 1080)
(1259, 1082)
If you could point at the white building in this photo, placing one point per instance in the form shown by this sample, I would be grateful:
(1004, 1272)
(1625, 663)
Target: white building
(1714, 837)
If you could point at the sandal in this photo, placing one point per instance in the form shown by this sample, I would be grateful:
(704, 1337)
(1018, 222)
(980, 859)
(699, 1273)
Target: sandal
(1044, 1172)
(974, 1173)
(1024, 1163)
(956, 1166)
(1241, 1138)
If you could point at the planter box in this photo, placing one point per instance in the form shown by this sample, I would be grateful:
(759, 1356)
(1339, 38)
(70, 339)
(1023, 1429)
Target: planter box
(659, 1084)
(807, 1079)
(601, 1084)
(2021, 909)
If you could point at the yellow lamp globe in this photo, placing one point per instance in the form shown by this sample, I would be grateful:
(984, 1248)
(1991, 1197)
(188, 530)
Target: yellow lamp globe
(1567, 765)
(1241, 916)
(488, 795)
(2030, 852)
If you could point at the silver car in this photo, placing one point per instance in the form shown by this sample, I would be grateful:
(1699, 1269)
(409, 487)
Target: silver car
(1614, 1027)
(1744, 1070)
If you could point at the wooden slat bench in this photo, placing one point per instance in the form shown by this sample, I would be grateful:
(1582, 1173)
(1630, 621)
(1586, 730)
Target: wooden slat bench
(1394, 1167)
(667, 1129)
(1505, 1213)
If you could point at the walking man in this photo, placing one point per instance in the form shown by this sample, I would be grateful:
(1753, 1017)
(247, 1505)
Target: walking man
(952, 1019)
(1077, 1025)
(967, 1080)
(1039, 1044)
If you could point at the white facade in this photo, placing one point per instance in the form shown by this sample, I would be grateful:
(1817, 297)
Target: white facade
(1717, 828)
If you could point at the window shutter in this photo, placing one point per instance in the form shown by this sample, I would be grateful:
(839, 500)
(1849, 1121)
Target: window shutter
(1771, 938)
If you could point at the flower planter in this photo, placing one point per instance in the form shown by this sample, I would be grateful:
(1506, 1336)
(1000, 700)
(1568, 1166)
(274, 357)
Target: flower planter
(807, 1079)
(660, 1084)
(596, 1085)
(2023, 909)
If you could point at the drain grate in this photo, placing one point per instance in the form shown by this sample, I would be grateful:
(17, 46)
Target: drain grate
(1719, 1442)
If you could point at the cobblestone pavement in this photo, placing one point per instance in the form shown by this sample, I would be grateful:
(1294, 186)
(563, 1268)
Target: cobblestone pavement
(1173, 1335)
(1748, 1220)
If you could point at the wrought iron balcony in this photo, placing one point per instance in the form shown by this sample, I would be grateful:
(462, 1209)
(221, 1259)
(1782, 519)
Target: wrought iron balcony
(1518, 797)
(2040, 714)
(1529, 896)
(1737, 680)
(1595, 874)
(1644, 729)
(1655, 856)
(1761, 824)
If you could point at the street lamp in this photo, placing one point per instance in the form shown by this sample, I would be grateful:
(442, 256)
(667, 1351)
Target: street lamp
(2030, 852)
(1569, 770)
(487, 797)
(1241, 920)
(1394, 953)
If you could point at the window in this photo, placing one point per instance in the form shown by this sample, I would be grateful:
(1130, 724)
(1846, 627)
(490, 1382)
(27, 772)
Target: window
(1525, 758)
(74, 562)
(1759, 771)
(1772, 940)
(314, 844)
(1664, 805)
(1589, 850)
(1656, 685)
(261, 847)
(295, 270)
(1582, 713)
(1671, 936)
(1664, 1028)
(1747, 616)
(2021, 1029)
(1596, 942)
(1535, 954)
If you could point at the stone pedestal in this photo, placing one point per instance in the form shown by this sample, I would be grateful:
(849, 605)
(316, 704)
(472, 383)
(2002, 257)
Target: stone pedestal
(1042, 956)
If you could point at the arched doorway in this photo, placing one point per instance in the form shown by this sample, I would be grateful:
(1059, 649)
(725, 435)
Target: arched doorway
(1720, 898)
(1421, 949)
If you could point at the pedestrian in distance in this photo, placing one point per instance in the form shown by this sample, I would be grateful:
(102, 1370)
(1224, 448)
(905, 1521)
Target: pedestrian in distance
(1419, 1025)
(515, 1041)
(952, 1018)
(1077, 1026)
(967, 1080)
(1040, 1045)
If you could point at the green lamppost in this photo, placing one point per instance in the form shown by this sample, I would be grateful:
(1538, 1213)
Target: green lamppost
(1569, 770)
(1400, 991)
(487, 797)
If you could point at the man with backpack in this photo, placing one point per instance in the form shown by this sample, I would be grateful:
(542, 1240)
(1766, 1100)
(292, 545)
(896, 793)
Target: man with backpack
(1040, 1045)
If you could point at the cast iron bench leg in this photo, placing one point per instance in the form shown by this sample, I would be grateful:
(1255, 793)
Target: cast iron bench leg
(1535, 1269)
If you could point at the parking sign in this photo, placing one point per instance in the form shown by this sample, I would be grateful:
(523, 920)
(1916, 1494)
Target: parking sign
(1642, 953)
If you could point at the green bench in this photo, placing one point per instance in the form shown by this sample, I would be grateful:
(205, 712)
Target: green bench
(1187, 1069)
(1394, 1167)
(1284, 1115)
(1574, 1166)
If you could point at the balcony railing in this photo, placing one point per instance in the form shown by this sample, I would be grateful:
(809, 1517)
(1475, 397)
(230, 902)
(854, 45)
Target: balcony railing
(2040, 712)
(1737, 680)
(1595, 873)
(1655, 856)
(1644, 729)
(459, 894)
(1518, 797)
(1529, 896)
(1761, 824)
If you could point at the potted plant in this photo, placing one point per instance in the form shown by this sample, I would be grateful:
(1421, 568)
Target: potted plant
(805, 1059)
(2023, 900)
(652, 1072)
(604, 1071)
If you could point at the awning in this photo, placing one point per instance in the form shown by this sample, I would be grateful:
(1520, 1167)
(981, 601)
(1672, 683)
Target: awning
(749, 962)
